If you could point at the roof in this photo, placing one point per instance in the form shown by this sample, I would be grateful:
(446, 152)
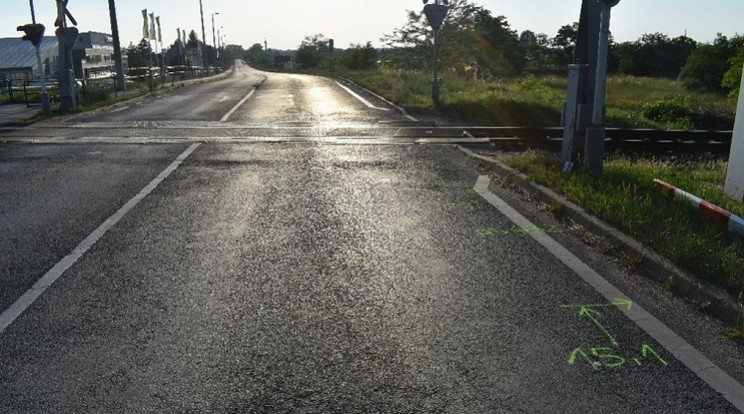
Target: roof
(17, 53)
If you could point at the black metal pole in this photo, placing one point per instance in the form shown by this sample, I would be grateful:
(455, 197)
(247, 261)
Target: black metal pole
(118, 62)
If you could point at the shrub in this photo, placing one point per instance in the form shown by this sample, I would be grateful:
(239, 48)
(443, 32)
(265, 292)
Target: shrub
(673, 112)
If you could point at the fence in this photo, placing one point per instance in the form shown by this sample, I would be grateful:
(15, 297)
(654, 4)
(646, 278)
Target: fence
(169, 73)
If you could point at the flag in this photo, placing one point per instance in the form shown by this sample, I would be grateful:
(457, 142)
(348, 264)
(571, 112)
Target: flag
(145, 31)
(153, 34)
(160, 36)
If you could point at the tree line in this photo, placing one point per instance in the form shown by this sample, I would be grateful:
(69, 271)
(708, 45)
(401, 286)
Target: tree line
(479, 45)
(179, 53)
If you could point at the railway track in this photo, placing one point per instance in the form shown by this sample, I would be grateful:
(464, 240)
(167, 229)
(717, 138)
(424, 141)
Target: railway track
(618, 139)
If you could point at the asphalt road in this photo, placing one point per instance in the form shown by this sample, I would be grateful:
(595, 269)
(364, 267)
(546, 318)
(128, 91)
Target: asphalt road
(289, 254)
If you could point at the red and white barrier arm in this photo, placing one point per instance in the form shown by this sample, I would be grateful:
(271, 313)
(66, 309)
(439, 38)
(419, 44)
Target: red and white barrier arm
(734, 223)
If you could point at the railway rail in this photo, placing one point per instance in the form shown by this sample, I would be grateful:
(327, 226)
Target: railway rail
(618, 139)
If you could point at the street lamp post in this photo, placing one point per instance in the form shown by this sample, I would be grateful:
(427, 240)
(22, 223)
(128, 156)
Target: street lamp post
(204, 35)
(118, 62)
(214, 41)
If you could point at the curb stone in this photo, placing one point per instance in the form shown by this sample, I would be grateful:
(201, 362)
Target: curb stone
(716, 302)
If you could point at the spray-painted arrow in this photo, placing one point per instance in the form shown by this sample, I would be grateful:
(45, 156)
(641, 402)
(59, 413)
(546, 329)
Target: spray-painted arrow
(593, 315)
(588, 311)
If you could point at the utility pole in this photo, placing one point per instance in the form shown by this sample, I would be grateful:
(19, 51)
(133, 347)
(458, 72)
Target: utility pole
(118, 62)
(45, 107)
(436, 13)
(204, 35)
(214, 41)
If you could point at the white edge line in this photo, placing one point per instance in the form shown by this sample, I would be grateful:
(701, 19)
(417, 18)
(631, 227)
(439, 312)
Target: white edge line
(27, 299)
(235, 108)
(358, 97)
(698, 363)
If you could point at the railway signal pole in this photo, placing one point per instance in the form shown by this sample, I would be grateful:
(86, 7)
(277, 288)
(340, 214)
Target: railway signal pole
(45, 106)
(436, 14)
(66, 77)
(584, 117)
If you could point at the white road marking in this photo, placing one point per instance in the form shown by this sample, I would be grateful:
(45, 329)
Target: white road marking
(120, 109)
(235, 108)
(362, 100)
(698, 363)
(19, 306)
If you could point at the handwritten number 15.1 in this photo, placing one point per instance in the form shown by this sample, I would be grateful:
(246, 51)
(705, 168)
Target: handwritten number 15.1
(603, 356)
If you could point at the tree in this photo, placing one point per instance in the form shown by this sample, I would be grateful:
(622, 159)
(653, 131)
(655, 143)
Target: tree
(312, 51)
(565, 40)
(655, 55)
(139, 56)
(732, 78)
(359, 57)
(470, 37)
(708, 63)
(539, 56)
(193, 42)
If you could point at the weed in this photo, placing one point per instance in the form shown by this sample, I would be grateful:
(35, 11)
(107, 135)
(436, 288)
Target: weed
(670, 284)
(735, 334)
(624, 196)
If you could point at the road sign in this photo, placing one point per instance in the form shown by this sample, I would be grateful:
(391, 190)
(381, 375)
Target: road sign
(34, 32)
(67, 13)
(67, 35)
(435, 13)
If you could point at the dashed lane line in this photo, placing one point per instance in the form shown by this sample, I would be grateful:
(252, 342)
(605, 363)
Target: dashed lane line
(698, 363)
(27, 299)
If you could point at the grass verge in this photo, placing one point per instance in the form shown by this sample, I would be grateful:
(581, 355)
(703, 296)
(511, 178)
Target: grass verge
(624, 196)
(631, 102)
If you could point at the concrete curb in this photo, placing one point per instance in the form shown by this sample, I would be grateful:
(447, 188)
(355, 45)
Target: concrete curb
(715, 301)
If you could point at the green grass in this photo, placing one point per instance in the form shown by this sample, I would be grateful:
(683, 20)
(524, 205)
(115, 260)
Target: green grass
(624, 196)
(538, 101)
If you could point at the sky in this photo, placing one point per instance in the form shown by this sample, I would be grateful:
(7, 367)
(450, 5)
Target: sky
(284, 23)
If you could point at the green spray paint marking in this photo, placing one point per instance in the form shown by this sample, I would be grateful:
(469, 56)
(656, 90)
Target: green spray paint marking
(591, 313)
(608, 357)
(603, 357)
(593, 316)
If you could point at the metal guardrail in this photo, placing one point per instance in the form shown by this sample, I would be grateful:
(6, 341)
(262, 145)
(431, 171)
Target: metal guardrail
(33, 87)
(171, 73)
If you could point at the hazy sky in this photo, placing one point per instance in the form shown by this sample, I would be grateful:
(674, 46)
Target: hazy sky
(284, 23)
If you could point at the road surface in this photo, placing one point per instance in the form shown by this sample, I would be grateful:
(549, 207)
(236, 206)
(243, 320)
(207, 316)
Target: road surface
(273, 243)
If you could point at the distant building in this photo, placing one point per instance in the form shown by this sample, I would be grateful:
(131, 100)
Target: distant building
(93, 56)
(18, 59)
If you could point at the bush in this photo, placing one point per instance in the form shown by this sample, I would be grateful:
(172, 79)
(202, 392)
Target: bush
(673, 112)
(94, 92)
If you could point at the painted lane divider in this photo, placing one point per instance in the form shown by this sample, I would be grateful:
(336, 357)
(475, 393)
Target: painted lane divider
(734, 223)
(236, 107)
(698, 363)
(359, 98)
(27, 299)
